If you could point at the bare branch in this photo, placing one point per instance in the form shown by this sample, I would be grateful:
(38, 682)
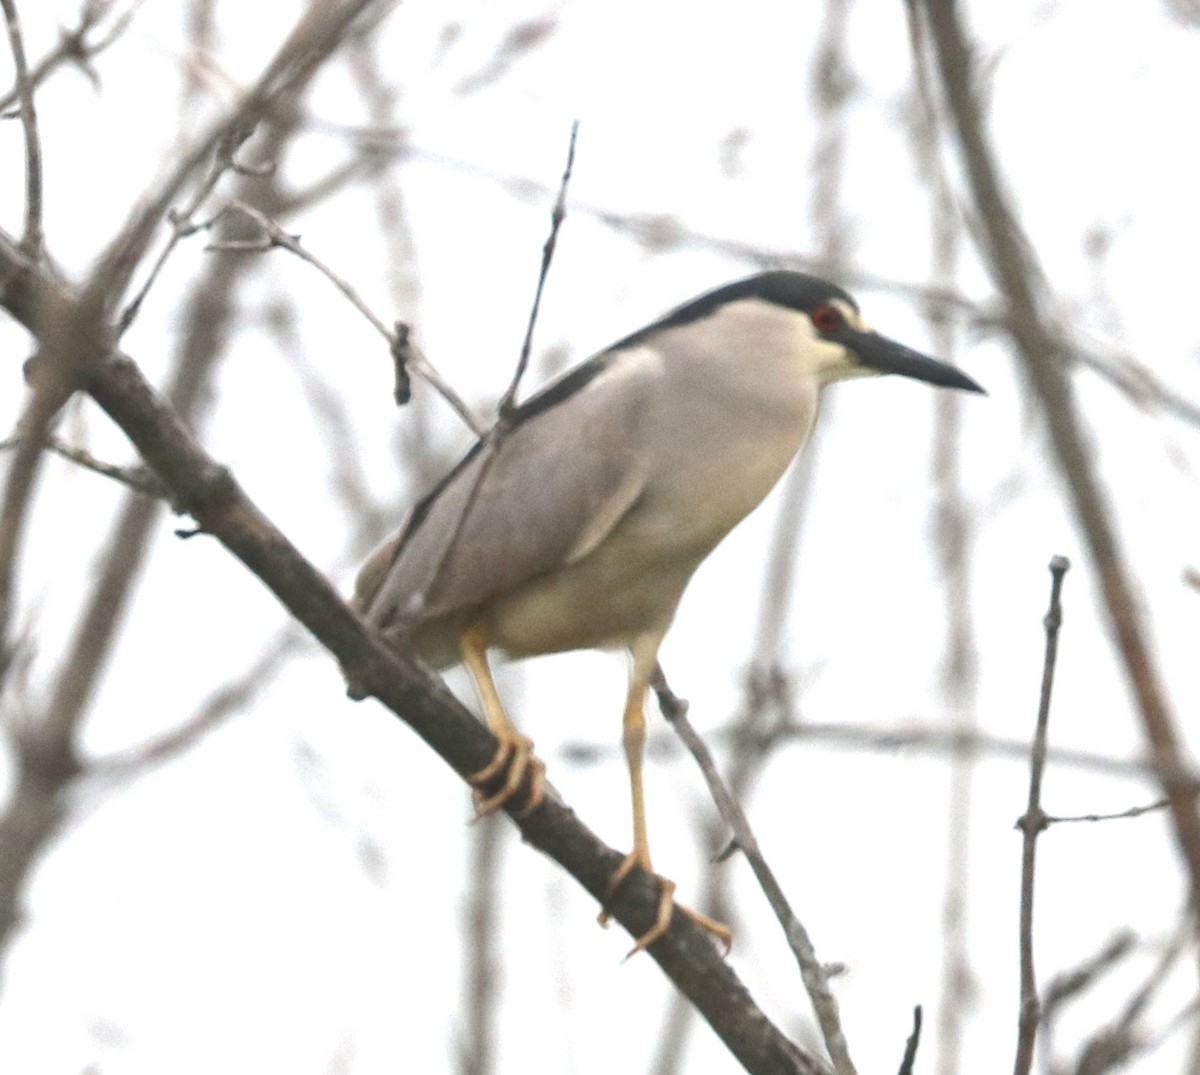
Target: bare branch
(1012, 263)
(210, 493)
(910, 1046)
(31, 238)
(32, 431)
(315, 36)
(901, 741)
(508, 401)
(1133, 811)
(1064, 987)
(1134, 380)
(66, 330)
(1032, 823)
(223, 703)
(182, 223)
(74, 47)
(954, 532)
(477, 1049)
(138, 478)
(812, 971)
(1120, 1041)
(520, 39)
(274, 236)
(491, 441)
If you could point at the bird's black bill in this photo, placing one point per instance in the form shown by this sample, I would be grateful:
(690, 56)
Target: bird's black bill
(879, 353)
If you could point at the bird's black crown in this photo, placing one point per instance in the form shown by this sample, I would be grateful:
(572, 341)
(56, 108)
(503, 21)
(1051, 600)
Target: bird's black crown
(780, 287)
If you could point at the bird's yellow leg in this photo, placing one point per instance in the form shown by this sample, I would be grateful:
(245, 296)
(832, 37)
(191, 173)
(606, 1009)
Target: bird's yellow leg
(514, 759)
(645, 658)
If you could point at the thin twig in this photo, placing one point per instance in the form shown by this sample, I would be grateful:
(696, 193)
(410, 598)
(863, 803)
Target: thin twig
(954, 533)
(481, 972)
(1118, 1042)
(492, 441)
(139, 478)
(558, 214)
(767, 685)
(812, 971)
(1067, 985)
(1135, 381)
(316, 34)
(208, 320)
(375, 76)
(273, 235)
(1032, 823)
(900, 742)
(31, 238)
(182, 224)
(74, 47)
(1184, 1019)
(224, 702)
(910, 1046)
(1133, 811)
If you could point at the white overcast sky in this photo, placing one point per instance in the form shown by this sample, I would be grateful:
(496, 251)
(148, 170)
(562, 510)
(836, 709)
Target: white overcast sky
(216, 915)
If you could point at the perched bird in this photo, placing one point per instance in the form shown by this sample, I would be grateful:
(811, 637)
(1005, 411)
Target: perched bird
(578, 523)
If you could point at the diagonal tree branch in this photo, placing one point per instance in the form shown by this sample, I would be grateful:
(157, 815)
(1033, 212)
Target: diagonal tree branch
(212, 496)
(1010, 259)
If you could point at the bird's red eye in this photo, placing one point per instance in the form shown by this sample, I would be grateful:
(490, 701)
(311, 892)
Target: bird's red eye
(828, 319)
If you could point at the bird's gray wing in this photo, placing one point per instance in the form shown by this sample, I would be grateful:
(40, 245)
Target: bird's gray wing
(564, 475)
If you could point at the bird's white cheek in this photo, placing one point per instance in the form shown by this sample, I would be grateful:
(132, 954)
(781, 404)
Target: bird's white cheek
(842, 364)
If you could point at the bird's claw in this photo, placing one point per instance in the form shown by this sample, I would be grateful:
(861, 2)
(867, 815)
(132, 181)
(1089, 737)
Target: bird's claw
(515, 764)
(666, 907)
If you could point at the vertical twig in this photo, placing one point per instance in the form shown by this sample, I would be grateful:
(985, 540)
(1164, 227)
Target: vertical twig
(31, 238)
(1032, 822)
(910, 1046)
(508, 401)
(953, 540)
(224, 160)
(767, 687)
(477, 1051)
(766, 699)
(491, 441)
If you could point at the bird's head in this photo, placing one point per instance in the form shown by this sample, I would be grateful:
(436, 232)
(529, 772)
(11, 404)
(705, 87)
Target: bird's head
(817, 323)
(843, 345)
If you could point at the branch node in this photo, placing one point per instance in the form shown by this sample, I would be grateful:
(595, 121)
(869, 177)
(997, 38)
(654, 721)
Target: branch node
(728, 851)
(403, 351)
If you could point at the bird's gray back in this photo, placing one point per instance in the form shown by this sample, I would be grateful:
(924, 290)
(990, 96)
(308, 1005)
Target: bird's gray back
(512, 511)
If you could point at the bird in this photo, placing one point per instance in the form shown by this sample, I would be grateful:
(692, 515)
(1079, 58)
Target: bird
(577, 522)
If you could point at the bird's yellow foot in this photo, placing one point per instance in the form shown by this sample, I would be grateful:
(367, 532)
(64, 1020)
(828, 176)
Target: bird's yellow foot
(514, 767)
(666, 907)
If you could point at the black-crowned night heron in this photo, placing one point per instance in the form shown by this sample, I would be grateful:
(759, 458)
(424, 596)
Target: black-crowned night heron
(581, 525)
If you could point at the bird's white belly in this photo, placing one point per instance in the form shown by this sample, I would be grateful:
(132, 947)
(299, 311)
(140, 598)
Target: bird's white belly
(631, 583)
(623, 589)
